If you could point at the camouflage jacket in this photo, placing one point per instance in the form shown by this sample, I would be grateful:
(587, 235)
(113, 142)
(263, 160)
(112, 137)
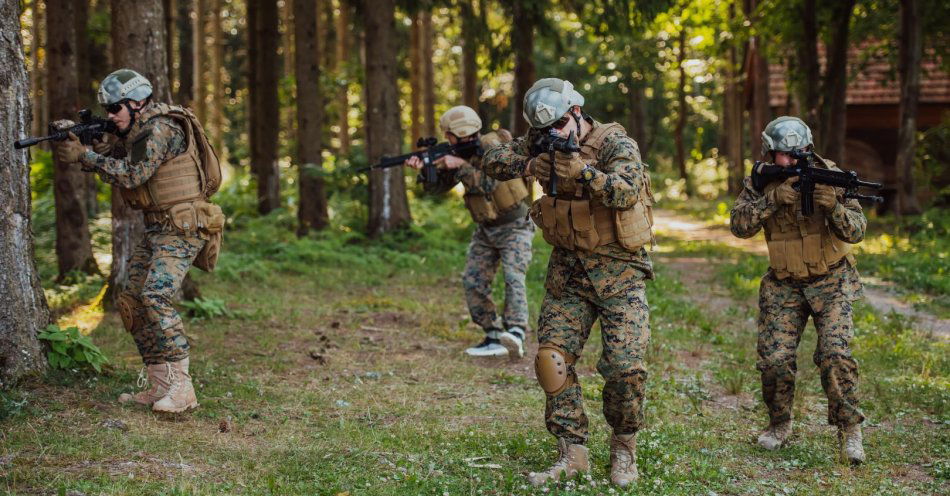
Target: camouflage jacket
(164, 139)
(618, 183)
(847, 221)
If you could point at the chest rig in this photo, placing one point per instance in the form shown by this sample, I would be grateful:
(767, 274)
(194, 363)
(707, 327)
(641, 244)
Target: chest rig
(801, 247)
(490, 201)
(576, 222)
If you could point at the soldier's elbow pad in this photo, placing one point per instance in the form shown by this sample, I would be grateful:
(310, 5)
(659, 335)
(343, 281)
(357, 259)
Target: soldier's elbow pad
(551, 366)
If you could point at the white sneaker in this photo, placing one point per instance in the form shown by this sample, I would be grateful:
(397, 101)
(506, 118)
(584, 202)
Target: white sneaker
(513, 341)
(489, 347)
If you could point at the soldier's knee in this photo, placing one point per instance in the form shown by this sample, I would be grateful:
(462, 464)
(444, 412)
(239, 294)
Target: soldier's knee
(151, 299)
(552, 368)
(776, 362)
(129, 310)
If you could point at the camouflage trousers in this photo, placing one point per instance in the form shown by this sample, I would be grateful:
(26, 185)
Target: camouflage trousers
(158, 266)
(509, 244)
(566, 321)
(784, 307)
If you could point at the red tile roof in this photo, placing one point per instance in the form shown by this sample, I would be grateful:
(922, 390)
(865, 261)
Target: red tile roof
(876, 82)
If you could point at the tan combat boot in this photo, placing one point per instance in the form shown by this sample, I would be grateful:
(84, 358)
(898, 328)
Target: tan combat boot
(775, 436)
(851, 443)
(623, 459)
(158, 377)
(181, 393)
(572, 458)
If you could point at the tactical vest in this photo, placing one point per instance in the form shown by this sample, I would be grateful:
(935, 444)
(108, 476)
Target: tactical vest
(180, 179)
(178, 191)
(504, 197)
(801, 247)
(578, 223)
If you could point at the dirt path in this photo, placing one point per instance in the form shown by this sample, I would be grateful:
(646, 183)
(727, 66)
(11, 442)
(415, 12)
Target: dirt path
(879, 293)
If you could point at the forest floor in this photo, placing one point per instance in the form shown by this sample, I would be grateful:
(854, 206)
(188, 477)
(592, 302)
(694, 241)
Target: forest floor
(338, 368)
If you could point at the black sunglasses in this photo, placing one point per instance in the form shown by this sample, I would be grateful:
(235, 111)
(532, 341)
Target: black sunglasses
(559, 124)
(113, 108)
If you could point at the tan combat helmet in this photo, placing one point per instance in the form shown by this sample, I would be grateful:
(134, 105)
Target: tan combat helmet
(122, 85)
(461, 121)
(786, 134)
(549, 99)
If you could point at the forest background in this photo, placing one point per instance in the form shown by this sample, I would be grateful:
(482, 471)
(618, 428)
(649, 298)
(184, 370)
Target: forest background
(297, 96)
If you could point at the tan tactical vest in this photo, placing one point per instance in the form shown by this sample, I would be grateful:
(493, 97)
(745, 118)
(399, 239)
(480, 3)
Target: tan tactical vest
(577, 223)
(179, 180)
(178, 192)
(801, 247)
(504, 197)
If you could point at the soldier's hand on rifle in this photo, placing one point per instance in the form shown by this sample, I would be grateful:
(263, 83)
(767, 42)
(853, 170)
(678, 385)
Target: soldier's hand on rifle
(568, 166)
(69, 150)
(414, 162)
(825, 197)
(104, 145)
(449, 162)
(785, 194)
(540, 168)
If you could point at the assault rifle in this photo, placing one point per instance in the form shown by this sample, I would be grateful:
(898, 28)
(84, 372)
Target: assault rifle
(550, 143)
(89, 128)
(433, 150)
(808, 176)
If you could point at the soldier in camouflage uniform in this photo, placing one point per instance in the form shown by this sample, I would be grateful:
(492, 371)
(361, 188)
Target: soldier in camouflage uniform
(152, 137)
(503, 233)
(599, 224)
(811, 273)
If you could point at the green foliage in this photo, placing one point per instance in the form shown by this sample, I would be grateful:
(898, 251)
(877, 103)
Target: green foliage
(70, 349)
(207, 308)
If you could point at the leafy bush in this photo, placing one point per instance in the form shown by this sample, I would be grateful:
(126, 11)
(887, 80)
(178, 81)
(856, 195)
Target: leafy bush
(70, 349)
(207, 308)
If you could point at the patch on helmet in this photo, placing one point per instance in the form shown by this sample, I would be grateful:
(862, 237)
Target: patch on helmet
(792, 139)
(544, 112)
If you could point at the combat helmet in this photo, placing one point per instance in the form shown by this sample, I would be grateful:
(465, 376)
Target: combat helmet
(461, 121)
(785, 134)
(122, 85)
(548, 99)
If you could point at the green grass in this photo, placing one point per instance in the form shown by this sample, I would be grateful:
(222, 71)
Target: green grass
(395, 408)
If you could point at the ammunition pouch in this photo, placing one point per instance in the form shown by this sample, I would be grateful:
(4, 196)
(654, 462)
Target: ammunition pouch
(480, 207)
(585, 225)
(207, 258)
(802, 247)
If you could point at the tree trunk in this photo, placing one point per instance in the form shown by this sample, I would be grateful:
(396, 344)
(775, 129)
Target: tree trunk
(681, 116)
(169, 6)
(73, 244)
(732, 118)
(909, 65)
(200, 56)
(265, 114)
(757, 97)
(522, 43)
(415, 80)
(23, 310)
(287, 37)
(312, 212)
(186, 54)
(341, 61)
(388, 204)
(809, 73)
(834, 104)
(428, 74)
(217, 82)
(469, 54)
(37, 76)
(637, 114)
(138, 42)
